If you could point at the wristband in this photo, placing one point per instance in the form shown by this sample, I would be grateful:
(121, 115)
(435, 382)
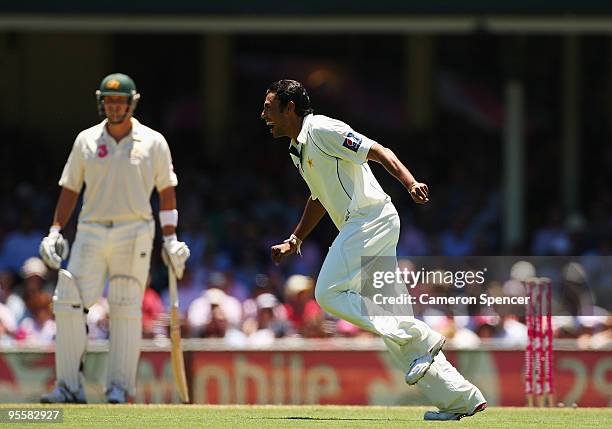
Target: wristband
(55, 229)
(168, 217)
(169, 238)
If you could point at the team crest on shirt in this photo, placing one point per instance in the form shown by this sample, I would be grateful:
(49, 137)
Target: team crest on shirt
(352, 142)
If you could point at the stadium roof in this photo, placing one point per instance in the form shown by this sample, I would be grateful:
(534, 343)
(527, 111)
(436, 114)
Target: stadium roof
(313, 7)
(314, 16)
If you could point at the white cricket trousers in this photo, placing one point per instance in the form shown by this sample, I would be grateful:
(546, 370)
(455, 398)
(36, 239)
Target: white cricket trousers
(372, 234)
(102, 251)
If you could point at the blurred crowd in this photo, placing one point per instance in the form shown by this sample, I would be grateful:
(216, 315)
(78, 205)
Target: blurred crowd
(231, 289)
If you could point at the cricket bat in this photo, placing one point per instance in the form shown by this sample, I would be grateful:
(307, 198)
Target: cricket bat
(178, 363)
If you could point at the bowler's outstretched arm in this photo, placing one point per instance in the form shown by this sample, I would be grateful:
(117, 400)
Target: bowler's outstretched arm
(385, 156)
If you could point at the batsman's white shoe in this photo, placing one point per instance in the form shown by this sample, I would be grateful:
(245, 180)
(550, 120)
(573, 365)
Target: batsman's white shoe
(62, 395)
(443, 415)
(116, 394)
(421, 365)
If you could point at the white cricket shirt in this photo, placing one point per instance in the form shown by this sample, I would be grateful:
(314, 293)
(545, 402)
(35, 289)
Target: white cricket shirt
(332, 159)
(118, 176)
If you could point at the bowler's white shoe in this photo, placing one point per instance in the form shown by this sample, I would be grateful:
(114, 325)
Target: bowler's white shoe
(62, 395)
(420, 366)
(443, 415)
(116, 394)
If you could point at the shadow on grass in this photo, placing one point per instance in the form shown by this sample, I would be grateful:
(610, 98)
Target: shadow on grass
(331, 418)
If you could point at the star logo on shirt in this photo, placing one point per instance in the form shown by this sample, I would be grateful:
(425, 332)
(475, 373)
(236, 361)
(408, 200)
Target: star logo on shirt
(310, 163)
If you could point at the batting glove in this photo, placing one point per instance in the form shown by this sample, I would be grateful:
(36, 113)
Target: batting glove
(175, 253)
(54, 248)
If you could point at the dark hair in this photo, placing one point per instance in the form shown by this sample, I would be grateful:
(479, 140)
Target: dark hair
(291, 90)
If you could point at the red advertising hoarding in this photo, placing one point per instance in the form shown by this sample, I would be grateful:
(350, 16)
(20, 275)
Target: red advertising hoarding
(313, 377)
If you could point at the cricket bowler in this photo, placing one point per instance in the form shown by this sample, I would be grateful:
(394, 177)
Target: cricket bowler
(119, 161)
(333, 160)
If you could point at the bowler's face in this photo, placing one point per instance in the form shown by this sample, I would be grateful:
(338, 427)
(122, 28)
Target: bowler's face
(275, 119)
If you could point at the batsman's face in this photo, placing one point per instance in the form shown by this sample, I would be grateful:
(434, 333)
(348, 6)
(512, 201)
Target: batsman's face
(115, 107)
(276, 118)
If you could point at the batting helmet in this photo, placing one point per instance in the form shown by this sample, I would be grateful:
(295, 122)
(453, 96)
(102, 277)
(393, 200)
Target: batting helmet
(117, 84)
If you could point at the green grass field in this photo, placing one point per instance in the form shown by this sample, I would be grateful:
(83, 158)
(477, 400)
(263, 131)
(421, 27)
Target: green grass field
(280, 417)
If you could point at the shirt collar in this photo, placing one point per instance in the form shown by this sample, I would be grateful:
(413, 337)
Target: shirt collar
(135, 129)
(134, 133)
(306, 124)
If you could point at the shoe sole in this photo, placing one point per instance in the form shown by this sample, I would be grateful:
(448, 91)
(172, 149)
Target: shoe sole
(433, 352)
(478, 409)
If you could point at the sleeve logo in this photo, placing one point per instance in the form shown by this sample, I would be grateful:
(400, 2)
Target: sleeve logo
(352, 142)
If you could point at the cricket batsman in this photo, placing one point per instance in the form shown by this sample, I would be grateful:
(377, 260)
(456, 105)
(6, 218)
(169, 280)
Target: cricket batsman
(333, 160)
(119, 161)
